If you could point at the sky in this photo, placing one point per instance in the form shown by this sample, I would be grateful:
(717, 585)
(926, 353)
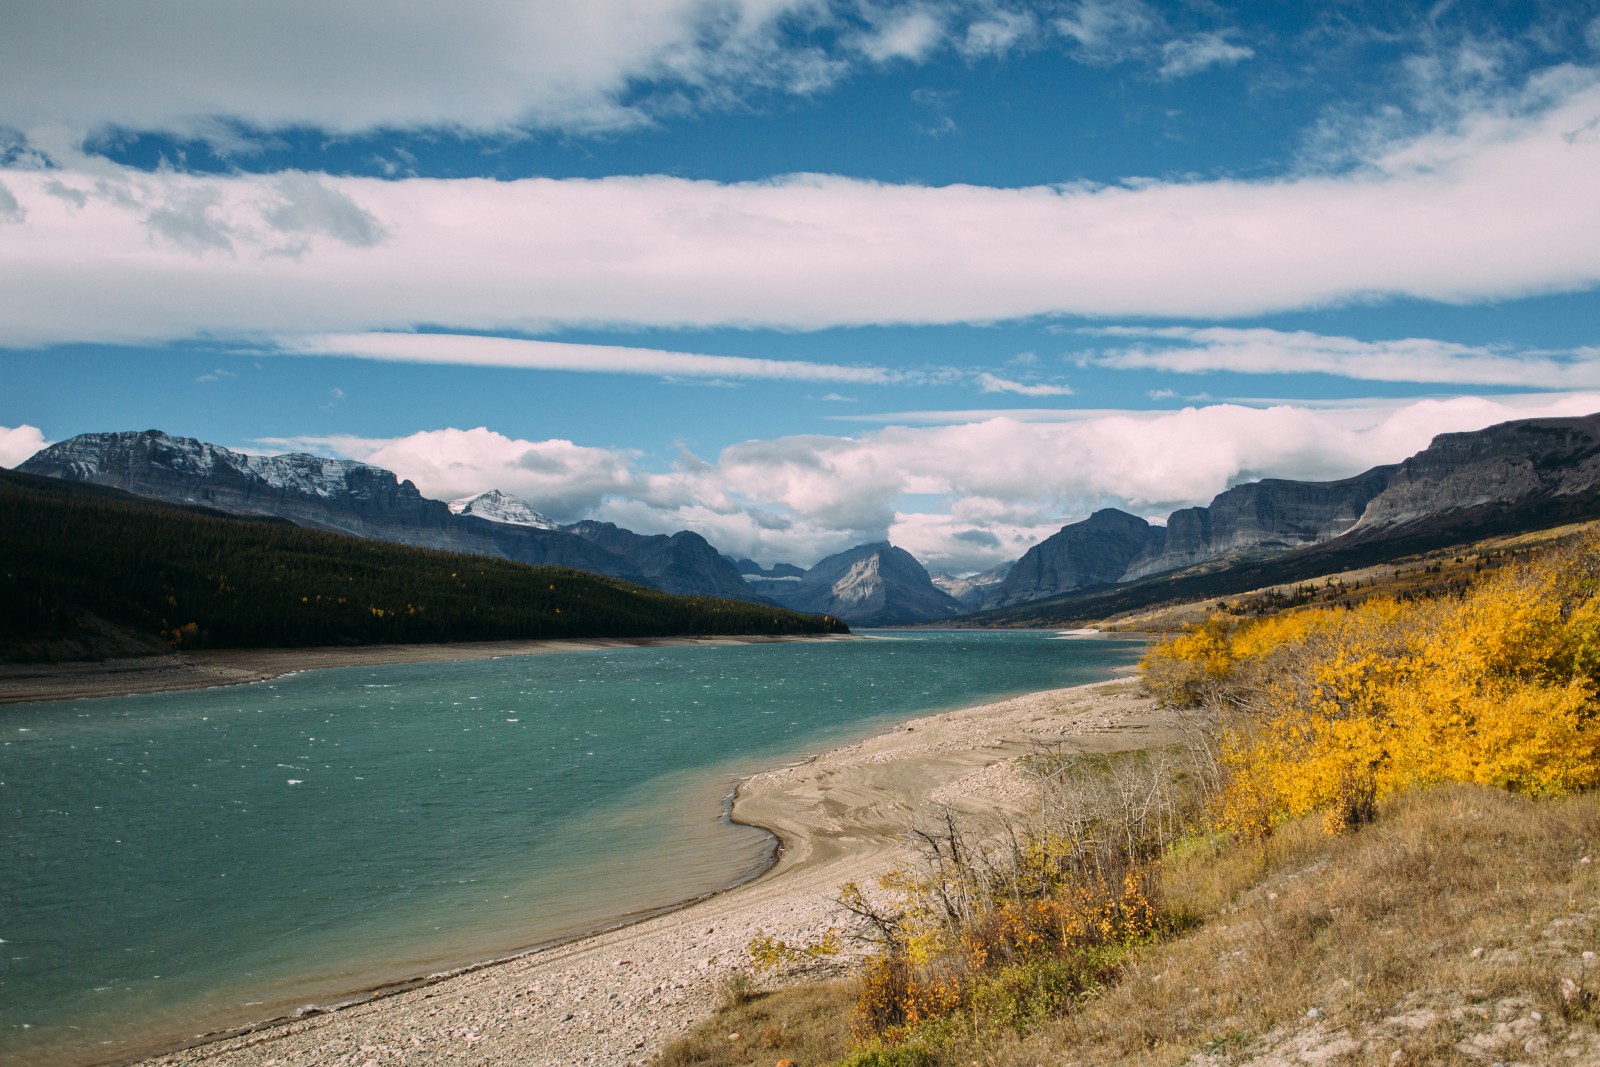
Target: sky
(802, 274)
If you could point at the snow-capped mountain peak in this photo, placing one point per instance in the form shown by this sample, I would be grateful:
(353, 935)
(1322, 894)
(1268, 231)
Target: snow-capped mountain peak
(99, 457)
(500, 507)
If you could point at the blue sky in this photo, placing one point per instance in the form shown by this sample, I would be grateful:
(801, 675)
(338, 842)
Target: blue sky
(799, 274)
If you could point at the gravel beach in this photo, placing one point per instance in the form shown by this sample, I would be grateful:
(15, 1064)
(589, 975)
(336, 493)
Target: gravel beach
(618, 997)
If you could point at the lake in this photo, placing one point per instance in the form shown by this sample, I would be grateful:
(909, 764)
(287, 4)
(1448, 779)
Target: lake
(178, 863)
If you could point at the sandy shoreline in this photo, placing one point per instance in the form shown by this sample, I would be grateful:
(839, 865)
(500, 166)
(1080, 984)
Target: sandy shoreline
(26, 683)
(617, 997)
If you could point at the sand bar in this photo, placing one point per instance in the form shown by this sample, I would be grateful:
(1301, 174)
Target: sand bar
(22, 683)
(617, 997)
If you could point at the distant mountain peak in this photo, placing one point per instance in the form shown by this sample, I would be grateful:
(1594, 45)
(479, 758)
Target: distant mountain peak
(872, 585)
(971, 590)
(860, 583)
(496, 506)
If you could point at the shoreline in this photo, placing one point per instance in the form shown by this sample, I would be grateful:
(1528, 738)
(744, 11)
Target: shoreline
(28, 683)
(616, 996)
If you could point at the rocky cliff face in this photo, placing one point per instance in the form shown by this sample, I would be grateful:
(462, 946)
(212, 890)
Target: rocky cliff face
(869, 585)
(1527, 472)
(1266, 517)
(1096, 551)
(1549, 464)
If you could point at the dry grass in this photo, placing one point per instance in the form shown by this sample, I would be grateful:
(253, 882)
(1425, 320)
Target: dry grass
(1433, 936)
(808, 1023)
(1436, 935)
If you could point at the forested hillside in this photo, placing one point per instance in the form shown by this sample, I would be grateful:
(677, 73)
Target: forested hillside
(86, 571)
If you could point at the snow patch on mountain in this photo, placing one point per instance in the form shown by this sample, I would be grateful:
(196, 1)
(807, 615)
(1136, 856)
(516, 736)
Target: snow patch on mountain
(500, 507)
(86, 457)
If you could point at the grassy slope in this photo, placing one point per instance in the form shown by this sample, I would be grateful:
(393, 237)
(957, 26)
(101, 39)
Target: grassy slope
(1437, 933)
(87, 571)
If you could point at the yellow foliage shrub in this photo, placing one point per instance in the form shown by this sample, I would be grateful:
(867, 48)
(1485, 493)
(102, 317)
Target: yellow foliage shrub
(1333, 709)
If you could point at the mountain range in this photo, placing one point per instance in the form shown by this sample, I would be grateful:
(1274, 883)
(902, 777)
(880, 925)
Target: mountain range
(345, 496)
(1530, 472)
(1516, 475)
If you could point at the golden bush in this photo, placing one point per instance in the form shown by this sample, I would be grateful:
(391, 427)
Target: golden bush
(1332, 709)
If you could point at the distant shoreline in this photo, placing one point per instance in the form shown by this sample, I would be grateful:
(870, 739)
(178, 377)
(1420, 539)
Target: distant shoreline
(26, 683)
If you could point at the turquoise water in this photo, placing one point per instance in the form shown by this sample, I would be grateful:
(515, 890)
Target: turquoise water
(182, 862)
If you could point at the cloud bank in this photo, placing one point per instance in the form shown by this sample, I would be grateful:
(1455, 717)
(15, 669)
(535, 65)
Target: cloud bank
(230, 73)
(1198, 350)
(190, 66)
(1498, 206)
(477, 351)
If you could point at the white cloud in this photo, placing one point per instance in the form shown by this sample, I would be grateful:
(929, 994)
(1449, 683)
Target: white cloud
(477, 351)
(905, 35)
(567, 481)
(955, 416)
(156, 256)
(1194, 350)
(17, 443)
(998, 32)
(928, 488)
(1191, 55)
(991, 383)
(1108, 31)
(219, 71)
(195, 66)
